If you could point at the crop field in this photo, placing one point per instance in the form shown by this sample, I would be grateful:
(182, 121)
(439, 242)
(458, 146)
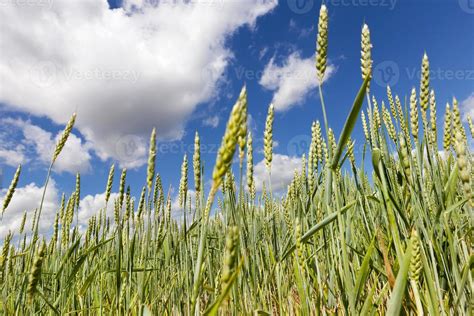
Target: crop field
(388, 237)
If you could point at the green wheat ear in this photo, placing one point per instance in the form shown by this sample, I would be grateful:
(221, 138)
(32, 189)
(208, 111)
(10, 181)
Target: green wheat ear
(425, 84)
(64, 137)
(110, 179)
(151, 160)
(322, 43)
(415, 263)
(11, 189)
(463, 165)
(229, 141)
(35, 273)
(183, 184)
(366, 54)
(414, 114)
(448, 126)
(268, 138)
(197, 163)
(471, 125)
(250, 179)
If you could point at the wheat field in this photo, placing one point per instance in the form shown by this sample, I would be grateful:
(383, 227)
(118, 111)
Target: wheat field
(386, 238)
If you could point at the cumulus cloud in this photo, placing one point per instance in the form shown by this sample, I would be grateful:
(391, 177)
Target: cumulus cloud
(90, 205)
(75, 156)
(467, 107)
(283, 170)
(27, 199)
(12, 158)
(292, 81)
(124, 70)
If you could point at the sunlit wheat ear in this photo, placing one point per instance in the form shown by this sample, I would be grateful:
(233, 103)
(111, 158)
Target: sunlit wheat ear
(35, 273)
(319, 142)
(425, 84)
(110, 180)
(156, 191)
(11, 189)
(366, 54)
(457, 124)
(471, 125)
(123, 177)
(229, 141)
(197, 163)
(268, 138)
(151, 160)
(243, 131)
(4, 253)
(350, 151)
(230, 255)
(311, 165)
(332, 140)
(183, 184)
(414, 114)
(447, 138)
(365, 127)
(463, 165)
(404, 157)
(23, 222)
(300, 257)
(434, 135)
(322, 43)
(415, 263)
(387, 119)
(64, 137)
(393, 107)
(141, 203)
(78, 189)
(250, 179)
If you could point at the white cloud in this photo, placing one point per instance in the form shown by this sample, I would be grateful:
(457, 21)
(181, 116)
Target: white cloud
(292, 81)
(27, 199)
(12, 158)
(74, 157)
(283, 170)
(211, 121)
(91, 205)
(467, 107)
(124, 70)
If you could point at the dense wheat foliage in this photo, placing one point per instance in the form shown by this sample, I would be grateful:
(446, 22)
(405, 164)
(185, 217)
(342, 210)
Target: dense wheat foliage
(393, 236)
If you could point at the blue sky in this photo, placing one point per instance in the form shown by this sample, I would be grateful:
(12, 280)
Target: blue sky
(184, 72)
